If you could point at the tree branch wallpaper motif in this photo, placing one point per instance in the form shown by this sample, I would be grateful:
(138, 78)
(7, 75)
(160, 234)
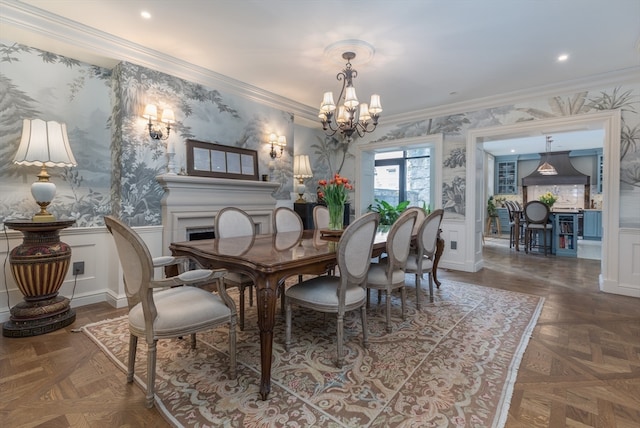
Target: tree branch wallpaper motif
(117, 160)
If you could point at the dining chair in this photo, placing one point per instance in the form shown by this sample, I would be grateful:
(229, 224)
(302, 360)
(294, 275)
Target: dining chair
(321, 217)
(536, 215)
(339, 294)
(169, 307)
(389, 274)
(421, 261)
(232, 222)
(286, 220)
(512, 210)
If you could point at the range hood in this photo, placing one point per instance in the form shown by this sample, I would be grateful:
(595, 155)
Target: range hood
(567, 174)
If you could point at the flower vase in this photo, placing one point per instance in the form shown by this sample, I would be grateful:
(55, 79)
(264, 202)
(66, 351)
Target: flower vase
(336, 216)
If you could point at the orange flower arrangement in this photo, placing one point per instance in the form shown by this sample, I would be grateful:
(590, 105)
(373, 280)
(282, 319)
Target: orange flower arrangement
(335, 193)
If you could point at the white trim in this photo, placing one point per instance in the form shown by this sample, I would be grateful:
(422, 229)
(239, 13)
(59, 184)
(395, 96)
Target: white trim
(610, 121)
(434, 141)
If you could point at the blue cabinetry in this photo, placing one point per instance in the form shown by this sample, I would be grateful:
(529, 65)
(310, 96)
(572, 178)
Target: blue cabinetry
(565, 234)
(592, 226)
(506, 180)
(503, 215)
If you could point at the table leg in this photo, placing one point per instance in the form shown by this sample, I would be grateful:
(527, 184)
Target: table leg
(267, 298)
(436, 258)
(516, 233)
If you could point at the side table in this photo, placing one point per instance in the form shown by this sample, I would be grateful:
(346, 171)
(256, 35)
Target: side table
(39, 266)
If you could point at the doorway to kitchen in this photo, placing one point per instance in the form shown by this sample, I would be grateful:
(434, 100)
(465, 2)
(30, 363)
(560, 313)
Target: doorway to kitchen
(609, 121)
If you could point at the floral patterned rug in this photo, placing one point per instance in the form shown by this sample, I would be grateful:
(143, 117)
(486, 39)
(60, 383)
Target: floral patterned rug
(452, 364)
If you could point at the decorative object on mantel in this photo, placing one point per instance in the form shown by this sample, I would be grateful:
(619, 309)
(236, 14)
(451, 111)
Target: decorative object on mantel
(220, 161)
(335, 193)
(349, 119)
(546, 168)
(155, 129)
(277, 141)
(44, 144)
(301, 170)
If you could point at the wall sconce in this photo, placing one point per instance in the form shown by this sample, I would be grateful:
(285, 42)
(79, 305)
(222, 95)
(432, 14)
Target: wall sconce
(301, 170)
(155, 129)
(274, 140)
(44, 144)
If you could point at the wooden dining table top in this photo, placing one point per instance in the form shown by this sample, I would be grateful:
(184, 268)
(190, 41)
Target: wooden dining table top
(270, 252)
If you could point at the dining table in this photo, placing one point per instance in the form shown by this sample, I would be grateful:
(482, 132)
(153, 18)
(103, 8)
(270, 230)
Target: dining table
(269, 259)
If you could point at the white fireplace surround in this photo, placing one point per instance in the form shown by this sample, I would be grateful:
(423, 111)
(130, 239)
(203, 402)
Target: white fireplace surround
(192, 203)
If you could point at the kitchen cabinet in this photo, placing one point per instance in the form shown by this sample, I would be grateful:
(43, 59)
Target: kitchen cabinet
(600, 173)
(503, 216)
(506, 180)
(592, 226)
(565, 234)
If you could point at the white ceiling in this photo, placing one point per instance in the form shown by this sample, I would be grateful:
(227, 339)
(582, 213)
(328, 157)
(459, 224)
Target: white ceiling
(428, 53)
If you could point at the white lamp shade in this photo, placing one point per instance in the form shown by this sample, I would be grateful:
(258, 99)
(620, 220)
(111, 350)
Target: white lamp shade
(168, 116)
(44, 143)
(350, 98)
(343, 117)
(150, 112)
(302, 167)
(282, 141)
(327, 105)
(375, 107)
(364, 116)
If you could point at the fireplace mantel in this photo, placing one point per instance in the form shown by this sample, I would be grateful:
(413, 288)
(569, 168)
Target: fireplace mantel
(193, 202)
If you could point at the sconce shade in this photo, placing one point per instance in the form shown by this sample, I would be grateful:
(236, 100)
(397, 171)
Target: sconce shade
(277, 141)
(168, 116)
(44, 144)
(150, 112)
(155, 129)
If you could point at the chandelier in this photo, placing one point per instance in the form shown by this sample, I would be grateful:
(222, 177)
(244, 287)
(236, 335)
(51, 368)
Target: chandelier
(349, 119)
(546, 168)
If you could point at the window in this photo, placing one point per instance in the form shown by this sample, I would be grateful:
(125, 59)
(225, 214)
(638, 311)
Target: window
(403, 176)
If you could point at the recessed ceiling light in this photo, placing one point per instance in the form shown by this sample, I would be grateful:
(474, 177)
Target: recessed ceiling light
(563, 57)
(513, 150)
(145, 14)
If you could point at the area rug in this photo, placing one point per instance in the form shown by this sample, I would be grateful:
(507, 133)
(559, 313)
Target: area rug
(451, 364)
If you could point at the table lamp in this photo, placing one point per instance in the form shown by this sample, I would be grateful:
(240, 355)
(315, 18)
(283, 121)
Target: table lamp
(301, 170)
(44, 144)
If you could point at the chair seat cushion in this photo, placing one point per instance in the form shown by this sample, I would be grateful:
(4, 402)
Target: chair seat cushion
(377, 274)
(181, 310)
(234, 279)
(412, 264)
(538, 226)
(322, 291)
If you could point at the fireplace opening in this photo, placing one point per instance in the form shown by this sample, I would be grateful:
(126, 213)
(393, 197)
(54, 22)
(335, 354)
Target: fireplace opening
(197, 234)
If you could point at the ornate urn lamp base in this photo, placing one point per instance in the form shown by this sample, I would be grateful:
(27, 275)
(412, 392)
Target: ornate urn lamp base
(39, 266)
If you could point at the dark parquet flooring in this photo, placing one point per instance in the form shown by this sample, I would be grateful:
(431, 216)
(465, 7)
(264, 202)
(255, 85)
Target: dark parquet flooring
(581, 367)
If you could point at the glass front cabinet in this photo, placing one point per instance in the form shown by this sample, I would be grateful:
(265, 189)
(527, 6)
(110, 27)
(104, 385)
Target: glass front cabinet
(506, 180)
(565, 234)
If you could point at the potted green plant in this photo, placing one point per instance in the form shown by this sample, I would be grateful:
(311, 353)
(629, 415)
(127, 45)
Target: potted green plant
(492, 211)
(388, 213)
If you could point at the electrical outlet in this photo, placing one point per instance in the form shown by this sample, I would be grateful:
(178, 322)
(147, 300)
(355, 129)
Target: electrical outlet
(454, 245)
(78, 268)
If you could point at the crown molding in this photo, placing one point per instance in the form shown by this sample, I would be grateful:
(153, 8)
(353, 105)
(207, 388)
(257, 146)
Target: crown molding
(107, 50)
(629, 75)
